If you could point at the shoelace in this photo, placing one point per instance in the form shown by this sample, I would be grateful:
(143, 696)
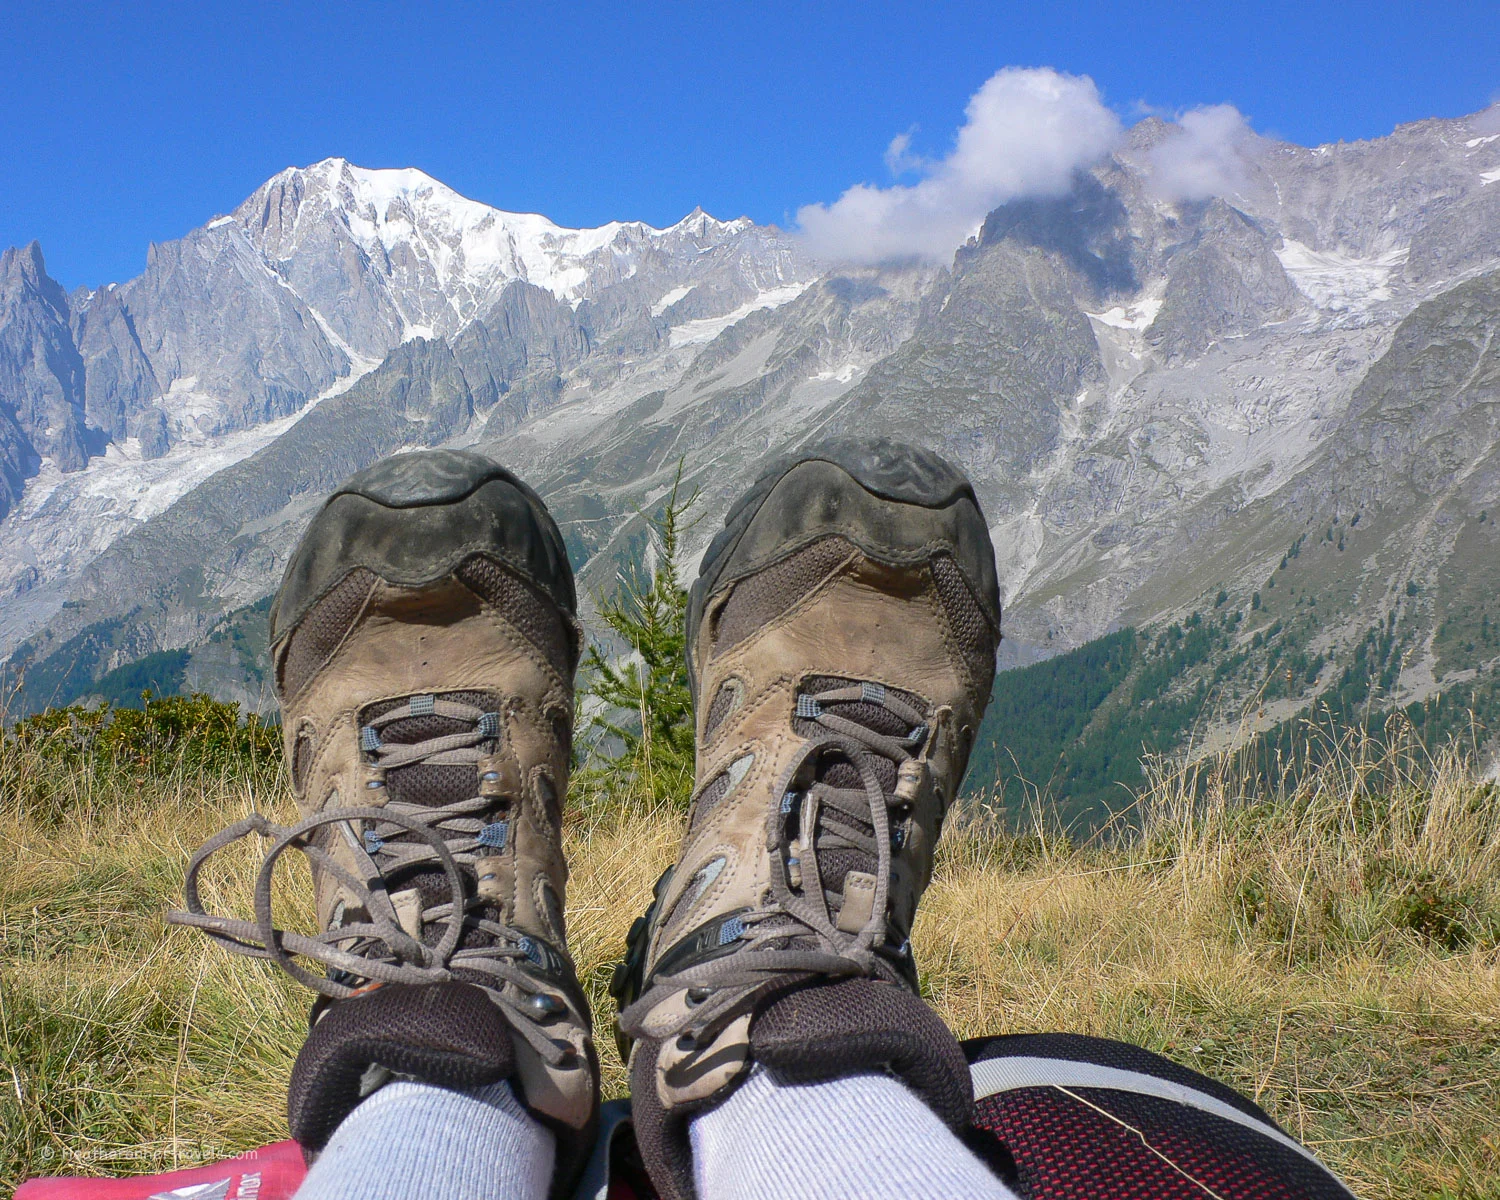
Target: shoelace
(722, 988)
(380, 950)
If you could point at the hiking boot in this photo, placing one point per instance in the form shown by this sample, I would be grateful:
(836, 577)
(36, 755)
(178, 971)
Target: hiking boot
(841, 643)
(424, 641)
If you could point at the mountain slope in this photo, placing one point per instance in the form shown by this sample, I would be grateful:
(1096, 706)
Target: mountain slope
(1283, 397)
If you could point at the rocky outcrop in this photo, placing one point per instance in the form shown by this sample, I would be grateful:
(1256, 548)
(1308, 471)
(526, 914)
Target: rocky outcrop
(118, 379)
(998, 354)
(1428, 412)
(213, 319)
(153, 433)
(1223, 281)
(41, 373)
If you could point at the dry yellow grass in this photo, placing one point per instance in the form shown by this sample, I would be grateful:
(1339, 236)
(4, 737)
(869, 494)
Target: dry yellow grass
(1330, 951)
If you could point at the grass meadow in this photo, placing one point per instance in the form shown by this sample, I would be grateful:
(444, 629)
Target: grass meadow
(1330, 947)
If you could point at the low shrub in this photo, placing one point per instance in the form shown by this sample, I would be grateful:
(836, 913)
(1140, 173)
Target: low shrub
(63, 756)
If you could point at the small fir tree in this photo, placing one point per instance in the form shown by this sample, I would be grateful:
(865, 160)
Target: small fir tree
(645, 705)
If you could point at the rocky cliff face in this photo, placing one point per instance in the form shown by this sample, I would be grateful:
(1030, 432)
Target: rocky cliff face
(41, 373)
(1156, 397)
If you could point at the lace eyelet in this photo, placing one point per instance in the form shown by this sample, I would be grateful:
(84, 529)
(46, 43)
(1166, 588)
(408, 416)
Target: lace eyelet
(544, 1005)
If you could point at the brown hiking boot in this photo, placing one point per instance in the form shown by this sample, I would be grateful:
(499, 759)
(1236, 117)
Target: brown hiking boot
(424, 643)
(841, 640)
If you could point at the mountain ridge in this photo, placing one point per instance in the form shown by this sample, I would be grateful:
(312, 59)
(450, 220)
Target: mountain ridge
(1156, 397)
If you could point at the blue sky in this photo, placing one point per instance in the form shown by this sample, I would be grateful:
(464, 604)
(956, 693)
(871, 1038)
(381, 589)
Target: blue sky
(124, 124)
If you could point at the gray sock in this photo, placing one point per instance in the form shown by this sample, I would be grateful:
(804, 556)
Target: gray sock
(412, 1141)
(863, 1135)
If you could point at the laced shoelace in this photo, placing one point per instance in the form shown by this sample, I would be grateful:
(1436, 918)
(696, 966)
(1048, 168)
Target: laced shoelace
(829, 818)
(379, 950)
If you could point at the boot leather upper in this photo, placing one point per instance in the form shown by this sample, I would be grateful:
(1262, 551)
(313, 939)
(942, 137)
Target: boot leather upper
(433, 637)
(876, 616)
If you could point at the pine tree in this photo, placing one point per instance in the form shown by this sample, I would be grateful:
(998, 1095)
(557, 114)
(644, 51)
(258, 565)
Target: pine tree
(646, 707)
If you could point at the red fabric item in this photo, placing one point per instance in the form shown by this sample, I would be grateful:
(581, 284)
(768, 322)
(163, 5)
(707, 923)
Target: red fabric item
(272, 1172)
(1051, 1142)
(1098, 1144)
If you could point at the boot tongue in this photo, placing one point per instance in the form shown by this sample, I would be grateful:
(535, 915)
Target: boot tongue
(834, 864)
(433, 785)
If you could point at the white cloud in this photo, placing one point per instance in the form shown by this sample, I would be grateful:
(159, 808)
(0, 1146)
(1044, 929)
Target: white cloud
(898, 156)
(1025, 133)
(1208, 154)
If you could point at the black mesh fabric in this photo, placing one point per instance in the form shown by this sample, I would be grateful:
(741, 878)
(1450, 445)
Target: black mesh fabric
(534, 614)
(1091, 1143)
(448, 1034)
(824, 1031)
(838, 771)
(722, 706)
(834, 1029)
(1098, 1144)
(661, 1134)
(713, 791)
(762, 597)
(976, 638)
(322, 629)
(433, 785)
(423, 783)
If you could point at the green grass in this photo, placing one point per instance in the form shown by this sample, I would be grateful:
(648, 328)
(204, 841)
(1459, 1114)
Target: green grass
(1330, 947)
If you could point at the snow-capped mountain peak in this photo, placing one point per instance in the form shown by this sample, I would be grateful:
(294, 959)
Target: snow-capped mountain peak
(465, 249)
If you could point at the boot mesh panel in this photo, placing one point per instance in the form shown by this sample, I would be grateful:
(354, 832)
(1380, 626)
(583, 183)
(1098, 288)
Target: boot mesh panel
(318, 634)
(762, 597)
(871, 716)
(975, 638)
(524, 607)
(423, 783)
(721, 707)
(714, 791)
